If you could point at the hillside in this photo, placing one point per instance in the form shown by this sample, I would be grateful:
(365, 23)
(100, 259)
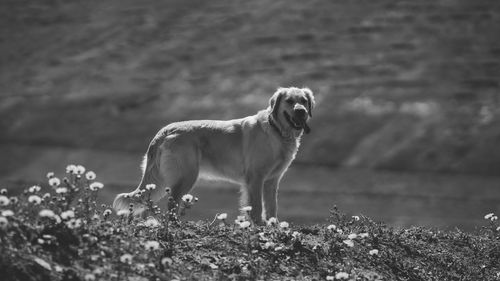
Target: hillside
(400, 84)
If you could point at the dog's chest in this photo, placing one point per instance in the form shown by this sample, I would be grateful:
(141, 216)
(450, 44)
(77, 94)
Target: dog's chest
(284, 157)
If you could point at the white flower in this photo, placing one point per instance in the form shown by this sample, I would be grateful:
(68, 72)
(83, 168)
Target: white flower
(34, 188)
(330, 278)
(493, 218)
(269, 245)
(123, 212)
(7, 213)
(68, 214)
(373, 252)
(247, 209)
(488, 216)
(60, 190)
(35, 199)
(152, 222)
(284, 225)
(126, 258)
(80, 169)
(356, 218)
(166, 261)
(4, 201)
(13, 200)
(167, 189)
(46, 213)
(46, 196)
(74, 223)
(296, 235)
(89, 277)
(187, 198)
(272, 221)
(3, 222)
(3, 191)
(245, 224)
(341, 275)
(54, 181)
(150, 186)
(152, 245)
(90, 175)
(96, 185)
(71, 169)
(352, 236)
(279, 248)
(50, 175)
(107, 212)
(222, 216)
(240, 219)
(364, 235)
(331, 227)
(498, 228)
(349, 243)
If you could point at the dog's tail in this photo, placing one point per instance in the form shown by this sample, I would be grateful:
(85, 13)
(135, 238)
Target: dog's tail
(131, 200)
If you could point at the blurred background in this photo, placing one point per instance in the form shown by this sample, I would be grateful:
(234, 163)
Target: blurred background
(406, 131)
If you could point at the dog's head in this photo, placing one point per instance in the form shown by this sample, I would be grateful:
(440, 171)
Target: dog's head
(292, 108)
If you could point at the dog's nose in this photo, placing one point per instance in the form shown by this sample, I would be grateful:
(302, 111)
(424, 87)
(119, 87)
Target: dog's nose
(300, 112)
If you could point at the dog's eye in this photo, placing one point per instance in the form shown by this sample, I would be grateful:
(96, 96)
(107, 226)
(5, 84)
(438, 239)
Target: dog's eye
(289, 101)
(303, 100)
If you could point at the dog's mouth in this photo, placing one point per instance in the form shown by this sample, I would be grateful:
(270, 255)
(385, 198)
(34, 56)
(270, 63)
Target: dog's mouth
(297, 124)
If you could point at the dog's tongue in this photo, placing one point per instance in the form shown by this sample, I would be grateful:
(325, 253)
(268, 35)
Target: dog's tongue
(307, 130)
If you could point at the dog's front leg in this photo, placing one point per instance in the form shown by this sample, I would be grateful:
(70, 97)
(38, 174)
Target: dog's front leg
(254, 187)
(271, 197)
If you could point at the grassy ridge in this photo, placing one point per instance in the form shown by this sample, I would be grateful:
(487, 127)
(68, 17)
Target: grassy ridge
(64, 235)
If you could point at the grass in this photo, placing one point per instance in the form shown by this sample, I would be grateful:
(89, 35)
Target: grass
(59, 232)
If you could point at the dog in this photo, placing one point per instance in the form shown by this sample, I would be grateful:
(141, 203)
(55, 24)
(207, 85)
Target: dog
(253, 152)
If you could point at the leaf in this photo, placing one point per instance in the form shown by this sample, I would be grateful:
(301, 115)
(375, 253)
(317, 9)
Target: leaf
(42, 263)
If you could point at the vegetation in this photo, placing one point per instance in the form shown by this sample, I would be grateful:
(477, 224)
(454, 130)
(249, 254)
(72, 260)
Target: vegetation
(58, 232)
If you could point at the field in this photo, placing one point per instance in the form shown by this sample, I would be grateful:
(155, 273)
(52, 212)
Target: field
(60, 232)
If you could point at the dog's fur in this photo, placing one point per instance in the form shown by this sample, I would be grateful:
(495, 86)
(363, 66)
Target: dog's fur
(254, 152)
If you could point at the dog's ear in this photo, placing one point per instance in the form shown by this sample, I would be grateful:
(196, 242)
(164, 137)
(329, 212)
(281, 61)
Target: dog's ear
(310, 100)
(275, 100)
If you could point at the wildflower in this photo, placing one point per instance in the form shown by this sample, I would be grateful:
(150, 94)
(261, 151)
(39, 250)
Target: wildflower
(493, 218)
(284, 225)
(331, 227)
(46, 213)
(247, 209)
(89, 277)
(498, 228)
(296, 235)
(55, 182)
(50, 175)
(80, 169)
(352, 236)
(46, 196)
(61, 190)
(58, 268)
(97, 271)
(349, 243)
(330, 278)
(107, 212)
(74, 223)
(341, 275)
(373, 252)
(3, 222)
(222, 216)
(363, 235)
(152, 245)
(356, 218)
(272, 221)
(71, 169)
(123, 212)
(269, 245)
(67, 214)
(240, 219)
(34, 189)
(150, 186)
(152, 222)
(96, 185)
(90, 175)
(13, 200)
(279, 248)
(3, 191)
(488, 216)
(244, 224)
(166, 261)
(167, 189)
(126, 258)
(7, 213)
(4, 201)
(188, 198)
(35, 199)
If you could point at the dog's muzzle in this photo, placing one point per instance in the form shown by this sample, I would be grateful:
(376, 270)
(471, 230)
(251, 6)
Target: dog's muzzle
(298, 121)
